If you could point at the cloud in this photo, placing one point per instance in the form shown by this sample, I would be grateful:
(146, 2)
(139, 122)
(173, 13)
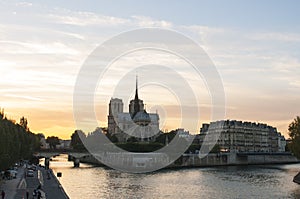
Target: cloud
(24, 4)
(65, 16)
(275, 36)
(143, 21)
(86, 19)
(24, 97)
(43, 48)
(37, 48)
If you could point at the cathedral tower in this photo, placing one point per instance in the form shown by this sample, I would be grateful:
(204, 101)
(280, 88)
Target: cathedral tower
(136, 105)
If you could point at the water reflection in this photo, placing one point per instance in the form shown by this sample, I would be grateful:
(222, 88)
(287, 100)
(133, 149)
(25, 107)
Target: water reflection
(219, 182)
(253, 175)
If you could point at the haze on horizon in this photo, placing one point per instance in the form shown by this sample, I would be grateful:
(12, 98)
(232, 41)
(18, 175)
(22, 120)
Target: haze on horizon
(254, 45)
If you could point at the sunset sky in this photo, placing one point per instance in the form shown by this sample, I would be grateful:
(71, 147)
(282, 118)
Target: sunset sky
(255, 46)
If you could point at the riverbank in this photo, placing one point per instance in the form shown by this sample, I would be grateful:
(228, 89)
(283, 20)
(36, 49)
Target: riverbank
(193, 160)
(52, 186)
(255, 181)
(44, 179)
(234, 159)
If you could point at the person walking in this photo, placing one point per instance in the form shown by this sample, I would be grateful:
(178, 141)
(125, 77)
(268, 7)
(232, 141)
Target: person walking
(3, 194)
(39, 195)
(27, 194)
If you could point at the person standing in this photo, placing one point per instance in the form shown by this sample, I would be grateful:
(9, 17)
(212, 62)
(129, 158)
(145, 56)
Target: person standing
(3, 194)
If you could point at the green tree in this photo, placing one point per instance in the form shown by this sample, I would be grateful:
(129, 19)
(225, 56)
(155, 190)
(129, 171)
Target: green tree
(165, 138)
(112, 138)
(294, 133)
(16, 141)
(216, 149)
(76, 142)
(52, 141)
(132, 139)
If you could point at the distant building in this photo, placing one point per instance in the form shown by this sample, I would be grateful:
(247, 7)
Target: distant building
(281, 143)
(243, 136)
(64, 144)
(124, 125)
(183, 134)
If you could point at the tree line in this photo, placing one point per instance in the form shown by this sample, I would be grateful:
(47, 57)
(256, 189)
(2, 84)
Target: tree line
(17, 142)
(131, 145)
(293, 144)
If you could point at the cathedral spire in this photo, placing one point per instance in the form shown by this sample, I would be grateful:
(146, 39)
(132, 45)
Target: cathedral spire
(136, 88)
(136, 105)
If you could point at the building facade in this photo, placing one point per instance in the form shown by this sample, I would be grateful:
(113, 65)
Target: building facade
(136, 123)
(241, 136)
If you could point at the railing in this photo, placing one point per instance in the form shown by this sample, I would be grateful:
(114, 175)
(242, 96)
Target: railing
(56, 150)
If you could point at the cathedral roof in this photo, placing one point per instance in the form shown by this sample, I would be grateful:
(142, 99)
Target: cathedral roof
(142, 116)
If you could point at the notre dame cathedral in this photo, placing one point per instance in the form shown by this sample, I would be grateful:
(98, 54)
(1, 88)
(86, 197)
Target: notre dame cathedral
(143, 126)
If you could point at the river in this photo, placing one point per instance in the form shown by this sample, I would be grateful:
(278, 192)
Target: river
(269, 181)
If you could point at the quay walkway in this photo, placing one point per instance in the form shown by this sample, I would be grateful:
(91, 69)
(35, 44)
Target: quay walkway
(17, 188)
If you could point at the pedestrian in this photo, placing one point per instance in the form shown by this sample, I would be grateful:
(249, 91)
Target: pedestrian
(27, 194)
(34, 193)
(3, 194)
(48, 175)
(39, 195)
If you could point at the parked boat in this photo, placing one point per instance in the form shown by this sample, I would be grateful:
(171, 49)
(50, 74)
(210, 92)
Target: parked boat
(297, 178)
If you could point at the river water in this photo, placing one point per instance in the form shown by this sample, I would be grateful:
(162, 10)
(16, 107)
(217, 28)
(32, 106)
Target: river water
(271, 181)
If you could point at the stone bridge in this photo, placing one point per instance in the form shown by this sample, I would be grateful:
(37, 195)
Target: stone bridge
(72, 156)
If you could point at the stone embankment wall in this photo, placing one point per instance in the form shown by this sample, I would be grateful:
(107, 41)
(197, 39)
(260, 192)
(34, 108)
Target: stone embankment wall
(193, 160)
(222, 159)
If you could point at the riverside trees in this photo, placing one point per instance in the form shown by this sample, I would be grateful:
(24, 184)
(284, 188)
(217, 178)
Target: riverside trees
(53, 141)
(16, 141)
(76, 142)
(294, 133)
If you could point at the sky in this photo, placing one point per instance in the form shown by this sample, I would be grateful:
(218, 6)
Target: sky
(254, 45)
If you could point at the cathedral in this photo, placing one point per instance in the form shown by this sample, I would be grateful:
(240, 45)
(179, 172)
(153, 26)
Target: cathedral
(137, 123)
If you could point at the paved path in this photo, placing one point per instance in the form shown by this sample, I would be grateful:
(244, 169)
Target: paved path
(52, 187)
(10, 186)
(28, 184)
(17, 188)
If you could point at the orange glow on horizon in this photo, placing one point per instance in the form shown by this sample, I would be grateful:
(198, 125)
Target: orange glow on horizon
(61, 124)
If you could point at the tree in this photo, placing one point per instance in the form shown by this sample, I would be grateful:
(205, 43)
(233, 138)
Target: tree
(132, 139)
(24, 123)
(112, 138)
(294, 133)
(16, 142)
(165, 138)
(1, 113)
(76, 141)
(52, 141)
(216, 149)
